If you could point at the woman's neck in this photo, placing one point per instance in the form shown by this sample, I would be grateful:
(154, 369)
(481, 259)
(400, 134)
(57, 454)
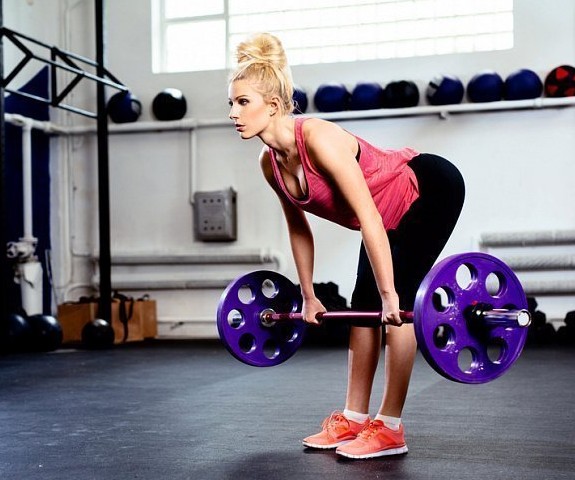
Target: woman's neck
(280, 135)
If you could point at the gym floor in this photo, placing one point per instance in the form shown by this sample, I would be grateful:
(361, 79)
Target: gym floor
(188, 410)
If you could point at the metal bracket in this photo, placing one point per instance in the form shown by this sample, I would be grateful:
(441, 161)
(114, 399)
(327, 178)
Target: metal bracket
(59, 60)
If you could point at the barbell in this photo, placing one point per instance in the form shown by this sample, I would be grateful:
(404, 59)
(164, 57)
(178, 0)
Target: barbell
(470, 318)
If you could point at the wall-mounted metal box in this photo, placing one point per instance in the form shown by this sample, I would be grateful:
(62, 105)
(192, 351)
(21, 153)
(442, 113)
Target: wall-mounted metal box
(215, 216)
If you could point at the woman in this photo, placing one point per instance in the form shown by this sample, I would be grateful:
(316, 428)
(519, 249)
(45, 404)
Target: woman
(405, 205)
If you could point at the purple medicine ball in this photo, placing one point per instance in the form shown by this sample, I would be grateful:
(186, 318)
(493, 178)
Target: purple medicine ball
(367, 96)
(523, 84)
(445, 90)
(486, 86)
(299, 99)
(331, 97)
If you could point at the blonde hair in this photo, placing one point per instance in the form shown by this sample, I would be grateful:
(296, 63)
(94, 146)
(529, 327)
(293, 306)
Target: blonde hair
(261, 58)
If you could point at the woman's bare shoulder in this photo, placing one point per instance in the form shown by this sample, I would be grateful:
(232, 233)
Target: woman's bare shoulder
(321, 134)
(314, 126)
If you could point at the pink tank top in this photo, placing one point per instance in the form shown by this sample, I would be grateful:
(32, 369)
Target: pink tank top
(392, 184)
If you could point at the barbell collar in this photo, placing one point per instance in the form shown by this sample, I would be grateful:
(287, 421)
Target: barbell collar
(499, 317)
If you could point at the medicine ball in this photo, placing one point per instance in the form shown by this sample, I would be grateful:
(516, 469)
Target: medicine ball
(523, 84)
(560, 82)
(97, 334)
(484, 87)
(401, 94)
(124, 107)
(331, 97)
(445, 90)
(366, 96)
(14, 333)
(46, 333)
(299, 99)
(169, 104)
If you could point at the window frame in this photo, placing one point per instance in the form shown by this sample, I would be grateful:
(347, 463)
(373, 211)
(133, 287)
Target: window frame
(160, 25)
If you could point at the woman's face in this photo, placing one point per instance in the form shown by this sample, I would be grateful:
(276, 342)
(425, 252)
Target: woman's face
(248, 109)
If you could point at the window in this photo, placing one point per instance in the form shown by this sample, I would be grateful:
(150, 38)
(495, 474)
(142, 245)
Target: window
(193, 35)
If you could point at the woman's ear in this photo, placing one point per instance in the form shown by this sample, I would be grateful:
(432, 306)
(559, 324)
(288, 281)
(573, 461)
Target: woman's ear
(274, 106)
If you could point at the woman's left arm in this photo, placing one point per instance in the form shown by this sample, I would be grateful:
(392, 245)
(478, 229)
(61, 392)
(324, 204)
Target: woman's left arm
(331, 150)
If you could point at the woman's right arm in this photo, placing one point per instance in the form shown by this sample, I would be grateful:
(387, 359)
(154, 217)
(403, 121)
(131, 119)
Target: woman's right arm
(301, 241)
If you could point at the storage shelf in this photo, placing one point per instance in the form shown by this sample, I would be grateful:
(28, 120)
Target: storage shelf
(442, 111)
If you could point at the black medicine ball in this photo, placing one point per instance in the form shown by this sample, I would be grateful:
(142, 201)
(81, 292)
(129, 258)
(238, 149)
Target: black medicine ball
(124, 107)
(46, 333)
(98, 334)
(400, 94)
(15, 333)
(169, 104)
(560, 82)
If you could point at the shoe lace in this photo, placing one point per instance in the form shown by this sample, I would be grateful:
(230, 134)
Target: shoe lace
(370, 429)
(334, 422)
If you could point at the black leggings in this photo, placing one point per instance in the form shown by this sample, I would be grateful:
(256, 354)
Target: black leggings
(420, 236)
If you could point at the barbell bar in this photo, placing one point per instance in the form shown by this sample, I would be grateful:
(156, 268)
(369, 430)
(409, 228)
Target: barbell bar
(474, 333)
(483, 313)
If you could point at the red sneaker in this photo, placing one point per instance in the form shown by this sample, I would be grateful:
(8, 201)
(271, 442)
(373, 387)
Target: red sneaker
(336, 430)
(375, 440)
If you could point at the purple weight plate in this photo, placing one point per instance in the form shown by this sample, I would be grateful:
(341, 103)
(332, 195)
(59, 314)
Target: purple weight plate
(454, 348)
(239, 324)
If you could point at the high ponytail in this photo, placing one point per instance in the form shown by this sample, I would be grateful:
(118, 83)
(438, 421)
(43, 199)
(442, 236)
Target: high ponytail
(261, 58)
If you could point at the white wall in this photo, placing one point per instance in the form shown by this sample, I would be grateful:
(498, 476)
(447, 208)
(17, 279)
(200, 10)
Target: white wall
(29, 17)
(517, 164)
(543, 39)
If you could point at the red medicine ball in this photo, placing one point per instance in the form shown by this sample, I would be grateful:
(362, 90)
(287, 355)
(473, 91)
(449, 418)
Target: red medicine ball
(560, 82)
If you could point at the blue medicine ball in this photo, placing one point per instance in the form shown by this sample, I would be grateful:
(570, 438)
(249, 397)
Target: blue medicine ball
(445, 90)
(486, 86)
(523, 84)
(124, 107)
(169, 104)
(331, 97)
(367, 96)
(299, 99)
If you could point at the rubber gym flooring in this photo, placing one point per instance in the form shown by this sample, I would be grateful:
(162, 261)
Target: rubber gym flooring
(188, 410)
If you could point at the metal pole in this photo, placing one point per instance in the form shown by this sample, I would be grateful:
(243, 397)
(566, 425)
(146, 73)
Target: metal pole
(3, 239)
(103, 172)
